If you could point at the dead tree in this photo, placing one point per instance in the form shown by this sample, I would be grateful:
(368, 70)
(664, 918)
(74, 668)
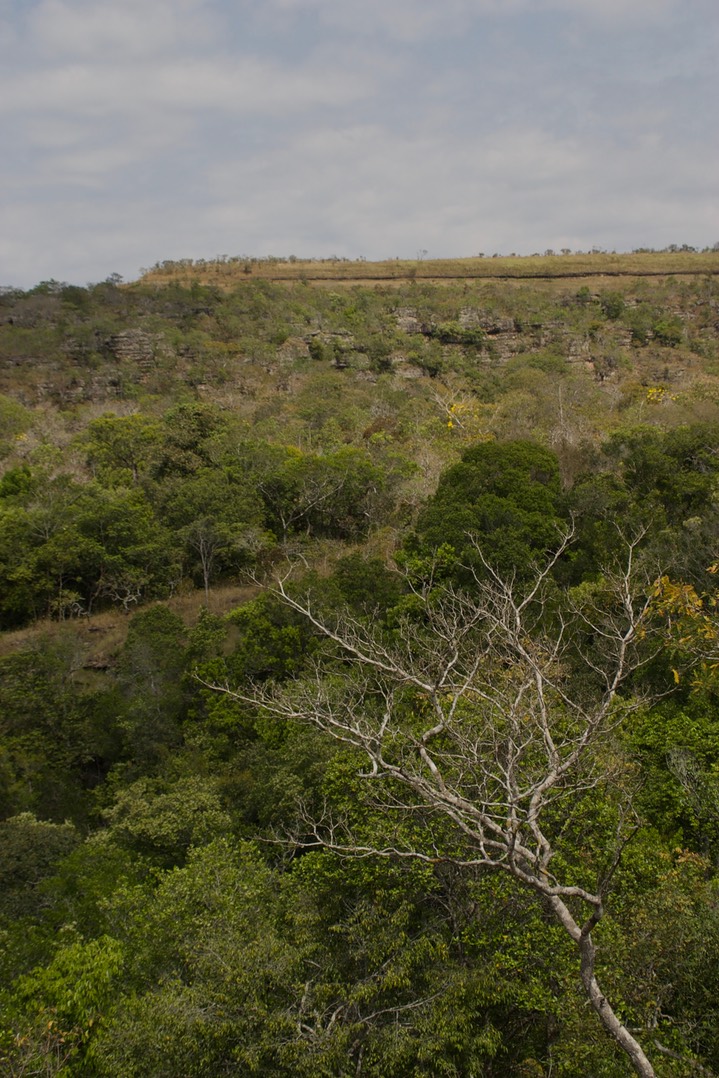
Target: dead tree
(487, 709)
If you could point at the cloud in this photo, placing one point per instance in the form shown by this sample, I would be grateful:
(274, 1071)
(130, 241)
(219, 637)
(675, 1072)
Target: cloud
(520, 189)
(138, 132)
(414, 20)
(616, 11)
(363, 189)
(440, 194)
(130, 28)
(242, 85)
(124, 94)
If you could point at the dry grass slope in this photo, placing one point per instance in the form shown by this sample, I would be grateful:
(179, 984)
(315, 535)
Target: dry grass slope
(230, 272)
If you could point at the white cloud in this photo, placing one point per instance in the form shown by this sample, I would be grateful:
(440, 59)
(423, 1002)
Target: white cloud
(403, 20)
(362, 189)
(617, 11)
(443, 195)
(413, 20)
(243, 85)
(101, 28)
(366, 191)
(139, 131)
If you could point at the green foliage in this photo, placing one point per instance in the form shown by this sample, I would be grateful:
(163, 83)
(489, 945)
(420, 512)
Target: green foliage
(366, 585)
(506, 497)
(218, 517)
(62, 1006)
(678, 749)
(660, 482)
(274, 641)
(211, 976)
(335, 494)
(163, 822)
(17, 484)
(84, 880)
(54, 736)
(640, 320)
(66, 545)
(150, 671)
(456, 333)
(14, 421)
(612, 304)
(120, 449)
(188, 431)
(145, 936)
(320, 350)
(547, 361)
(669, 958)
(30, 850)
(669, 330)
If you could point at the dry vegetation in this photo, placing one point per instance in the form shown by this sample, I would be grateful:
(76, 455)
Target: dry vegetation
(229, 271)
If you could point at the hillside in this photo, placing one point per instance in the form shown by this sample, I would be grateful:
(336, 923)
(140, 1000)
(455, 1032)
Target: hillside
(228, 271)
(358, 670)
(404, 377)
(66, 346)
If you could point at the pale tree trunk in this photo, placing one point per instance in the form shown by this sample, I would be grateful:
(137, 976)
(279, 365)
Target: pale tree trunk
(504, 733)
(587, 952)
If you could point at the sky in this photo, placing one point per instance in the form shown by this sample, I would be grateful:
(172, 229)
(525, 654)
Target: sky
(135, 131)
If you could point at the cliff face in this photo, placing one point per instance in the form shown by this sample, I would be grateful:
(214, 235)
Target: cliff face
(136, 345)
(92, 368)
(75, 346)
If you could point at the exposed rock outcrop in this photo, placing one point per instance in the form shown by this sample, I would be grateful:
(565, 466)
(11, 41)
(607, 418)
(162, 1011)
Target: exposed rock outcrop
(138, 347)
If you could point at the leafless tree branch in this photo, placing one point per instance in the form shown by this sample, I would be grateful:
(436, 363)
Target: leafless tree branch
(485, 709)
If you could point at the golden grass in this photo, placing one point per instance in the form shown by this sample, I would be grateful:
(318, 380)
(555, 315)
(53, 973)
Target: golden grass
(101, 636)
(232, 272)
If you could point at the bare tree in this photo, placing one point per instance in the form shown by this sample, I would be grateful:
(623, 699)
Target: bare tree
(487, 712)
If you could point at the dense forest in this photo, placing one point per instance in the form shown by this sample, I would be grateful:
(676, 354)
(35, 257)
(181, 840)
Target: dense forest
(359, 671)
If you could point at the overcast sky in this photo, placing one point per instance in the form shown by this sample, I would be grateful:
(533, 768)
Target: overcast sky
(139, 130)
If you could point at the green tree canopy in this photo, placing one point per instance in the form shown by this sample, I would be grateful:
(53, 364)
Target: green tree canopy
(507, 497)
